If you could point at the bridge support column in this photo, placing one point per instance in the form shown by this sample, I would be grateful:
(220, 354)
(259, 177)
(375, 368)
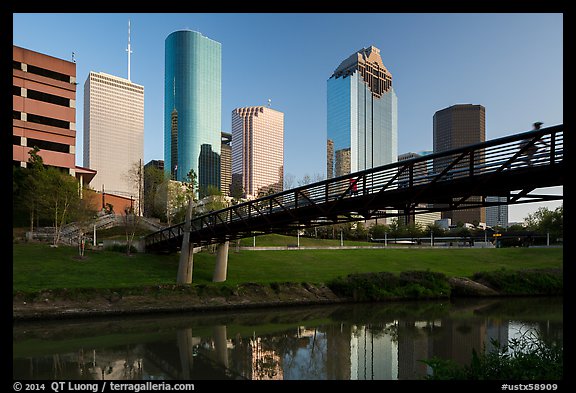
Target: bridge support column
(221, 262)
(186, 263)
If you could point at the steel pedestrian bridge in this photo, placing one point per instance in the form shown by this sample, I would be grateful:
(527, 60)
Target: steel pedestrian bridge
(456, 179)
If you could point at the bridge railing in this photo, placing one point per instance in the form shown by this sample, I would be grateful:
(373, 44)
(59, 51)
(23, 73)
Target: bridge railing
(515, 152)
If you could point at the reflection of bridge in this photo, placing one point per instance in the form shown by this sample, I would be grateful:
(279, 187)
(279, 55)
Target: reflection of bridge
(456, 179)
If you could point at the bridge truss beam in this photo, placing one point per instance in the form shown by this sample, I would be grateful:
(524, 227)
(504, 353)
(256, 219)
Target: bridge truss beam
(458, 179)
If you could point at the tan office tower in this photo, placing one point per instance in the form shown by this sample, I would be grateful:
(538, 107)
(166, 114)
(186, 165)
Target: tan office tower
(257, 150)
(114, 133)
(458, 126)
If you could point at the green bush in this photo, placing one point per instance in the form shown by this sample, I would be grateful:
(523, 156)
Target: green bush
(275, 287)
(226, 291)
(121, 248)
(385, 285)
(524, 358)
(523, 282)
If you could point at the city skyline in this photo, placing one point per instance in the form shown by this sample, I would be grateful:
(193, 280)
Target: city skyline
(437, 60)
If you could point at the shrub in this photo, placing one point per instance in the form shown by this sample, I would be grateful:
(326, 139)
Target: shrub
(121, 248)
(523, 282)
(524, 358)
(385, 285)
(275, 287)
(226, 291)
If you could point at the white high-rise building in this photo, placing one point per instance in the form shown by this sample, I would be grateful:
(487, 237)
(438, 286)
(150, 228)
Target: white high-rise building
(113, 132)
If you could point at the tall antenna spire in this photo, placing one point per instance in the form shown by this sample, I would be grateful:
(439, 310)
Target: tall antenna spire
(174, 92)
(128, 50)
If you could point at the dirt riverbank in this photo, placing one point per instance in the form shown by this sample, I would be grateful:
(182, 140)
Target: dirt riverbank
(170, 299)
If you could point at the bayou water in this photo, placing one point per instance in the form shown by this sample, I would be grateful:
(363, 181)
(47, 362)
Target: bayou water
(376, 341)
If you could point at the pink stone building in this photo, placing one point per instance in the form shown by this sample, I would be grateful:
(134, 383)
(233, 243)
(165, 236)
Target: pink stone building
(257, 150)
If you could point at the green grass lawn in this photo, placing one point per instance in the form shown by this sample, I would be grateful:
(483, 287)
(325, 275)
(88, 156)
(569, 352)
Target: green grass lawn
(275, 240)
(322, 265)
(38, 266)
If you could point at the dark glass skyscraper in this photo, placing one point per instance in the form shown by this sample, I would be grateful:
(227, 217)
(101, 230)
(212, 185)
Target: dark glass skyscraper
(362, 115)
(458, 126)
(226, 163)
(192, 108)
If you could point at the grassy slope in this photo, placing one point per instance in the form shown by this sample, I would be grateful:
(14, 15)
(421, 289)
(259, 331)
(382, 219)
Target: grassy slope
(321, 265)
(274, 240)
(38, 266)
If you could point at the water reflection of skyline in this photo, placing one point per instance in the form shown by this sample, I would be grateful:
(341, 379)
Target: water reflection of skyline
(389, 348)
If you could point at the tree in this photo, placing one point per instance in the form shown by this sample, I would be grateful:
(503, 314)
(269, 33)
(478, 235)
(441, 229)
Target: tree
(84, 210)
(177, 196)
(60, 197)
(398, 229)
(436, 229)
(317, 177)
(153, 179)
(378, 231)
(263, 192)
(545, 220)
(192, 182)
(307, 179)
(288, 181)
(343, 229)
(50, 194)
(83, 214)
(394, 228)
(177, 202)
(130, 225)
(27, 186)
(360, 232)
(214, 200)
(321, 232)
(135, 177)
(414, 230)
(462, 232)
(20, 211)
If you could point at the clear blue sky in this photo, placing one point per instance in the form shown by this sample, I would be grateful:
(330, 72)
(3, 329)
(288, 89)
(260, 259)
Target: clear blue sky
(511, 63)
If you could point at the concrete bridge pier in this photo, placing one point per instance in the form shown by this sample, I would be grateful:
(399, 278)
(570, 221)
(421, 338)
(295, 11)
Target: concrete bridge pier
(186, 263)
(221, 268)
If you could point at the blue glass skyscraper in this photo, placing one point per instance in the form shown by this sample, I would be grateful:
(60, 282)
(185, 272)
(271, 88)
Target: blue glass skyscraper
(362, 115)
(192, 108)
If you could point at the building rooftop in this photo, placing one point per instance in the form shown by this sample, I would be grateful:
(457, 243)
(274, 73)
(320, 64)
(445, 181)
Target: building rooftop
(370, 54)
(368, 63)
